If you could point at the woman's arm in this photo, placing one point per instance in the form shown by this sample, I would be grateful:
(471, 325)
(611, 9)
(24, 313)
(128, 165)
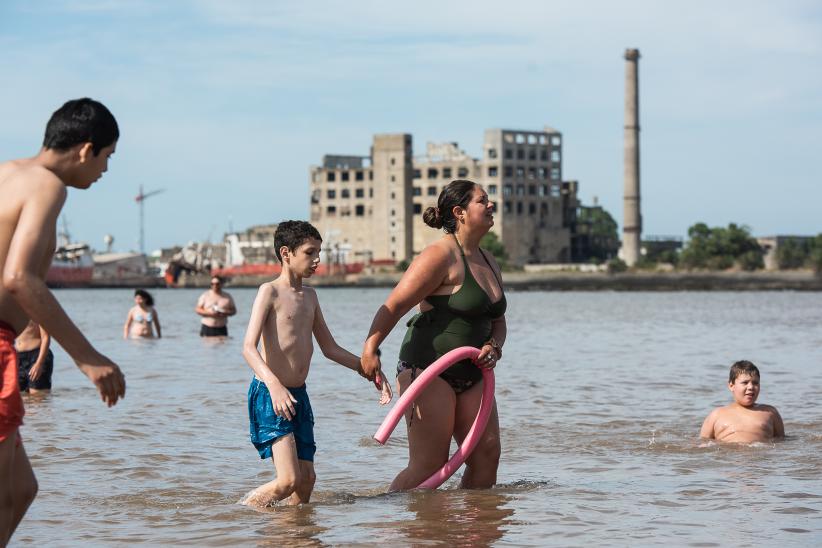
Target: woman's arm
(426, 273)
(157, 323)
(499, 329)
(127, 325)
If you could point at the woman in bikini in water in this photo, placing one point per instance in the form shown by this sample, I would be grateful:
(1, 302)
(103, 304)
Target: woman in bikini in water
(459, 291)
(142, 319)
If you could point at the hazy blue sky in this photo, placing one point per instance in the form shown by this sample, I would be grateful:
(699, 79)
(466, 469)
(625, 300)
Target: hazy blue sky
(225, 104)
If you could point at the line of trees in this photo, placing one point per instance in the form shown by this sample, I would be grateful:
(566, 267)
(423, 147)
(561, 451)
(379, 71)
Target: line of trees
(710, 248)
(800, 253)
(721, 248)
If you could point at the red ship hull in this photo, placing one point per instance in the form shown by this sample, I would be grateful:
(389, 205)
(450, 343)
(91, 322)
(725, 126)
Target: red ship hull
(68, 276)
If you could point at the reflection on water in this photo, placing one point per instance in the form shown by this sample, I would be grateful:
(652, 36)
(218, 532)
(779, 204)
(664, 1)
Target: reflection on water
(460, 518)
(601, 396)
(294, 525)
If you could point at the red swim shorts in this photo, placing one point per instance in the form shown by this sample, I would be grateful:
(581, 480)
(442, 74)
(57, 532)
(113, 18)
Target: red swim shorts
(11, 404)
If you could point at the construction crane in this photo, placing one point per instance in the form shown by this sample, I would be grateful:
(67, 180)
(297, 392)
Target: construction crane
(140, 199)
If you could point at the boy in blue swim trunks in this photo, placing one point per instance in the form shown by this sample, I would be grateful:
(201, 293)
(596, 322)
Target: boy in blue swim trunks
(285, 315)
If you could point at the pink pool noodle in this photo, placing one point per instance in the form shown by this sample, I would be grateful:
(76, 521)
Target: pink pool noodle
(411, 393)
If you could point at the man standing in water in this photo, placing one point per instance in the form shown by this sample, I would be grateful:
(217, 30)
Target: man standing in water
(35, 361)
(215, 306)
(80, 137)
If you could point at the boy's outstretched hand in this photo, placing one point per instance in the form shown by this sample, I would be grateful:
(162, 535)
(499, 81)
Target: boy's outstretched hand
(384, 386)
(107, 377)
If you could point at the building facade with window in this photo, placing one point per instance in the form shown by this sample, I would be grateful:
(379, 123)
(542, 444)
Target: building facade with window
(375, 203)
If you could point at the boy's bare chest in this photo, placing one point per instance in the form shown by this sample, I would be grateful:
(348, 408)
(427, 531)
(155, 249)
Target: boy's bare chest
(749, 421)
(295, 310)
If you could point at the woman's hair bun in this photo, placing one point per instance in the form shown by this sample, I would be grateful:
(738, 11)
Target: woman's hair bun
(432, 217)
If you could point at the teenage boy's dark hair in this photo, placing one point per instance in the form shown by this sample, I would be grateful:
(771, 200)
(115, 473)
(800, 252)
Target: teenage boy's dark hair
(292, 234)
(81, 121)
(742, 367)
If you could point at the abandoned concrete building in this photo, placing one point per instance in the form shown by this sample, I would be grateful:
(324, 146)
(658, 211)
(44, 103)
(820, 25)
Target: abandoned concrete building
(369, 208)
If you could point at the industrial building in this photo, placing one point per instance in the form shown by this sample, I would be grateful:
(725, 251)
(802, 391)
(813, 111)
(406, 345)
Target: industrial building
(369, 208)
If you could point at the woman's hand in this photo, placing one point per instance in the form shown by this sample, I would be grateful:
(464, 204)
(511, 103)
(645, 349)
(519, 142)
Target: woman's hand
(371, 364)
(488, 357)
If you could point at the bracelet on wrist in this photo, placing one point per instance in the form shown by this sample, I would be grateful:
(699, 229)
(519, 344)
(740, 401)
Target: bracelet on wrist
(495, 345)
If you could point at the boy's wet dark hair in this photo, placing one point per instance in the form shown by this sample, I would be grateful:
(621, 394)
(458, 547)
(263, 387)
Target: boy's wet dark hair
(743, 367)
(147, 298)
(292, 234)
(81, 121)
(456, 193)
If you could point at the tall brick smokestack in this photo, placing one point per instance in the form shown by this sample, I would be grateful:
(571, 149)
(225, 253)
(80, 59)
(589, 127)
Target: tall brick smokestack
(632, 219)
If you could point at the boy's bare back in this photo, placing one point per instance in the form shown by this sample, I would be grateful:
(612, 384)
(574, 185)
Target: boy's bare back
(738, 424)
(287, 330)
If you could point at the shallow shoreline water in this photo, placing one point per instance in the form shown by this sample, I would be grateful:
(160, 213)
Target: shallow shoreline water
(601, 395)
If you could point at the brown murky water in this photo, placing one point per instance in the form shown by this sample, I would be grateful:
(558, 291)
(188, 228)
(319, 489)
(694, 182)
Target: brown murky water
(601, 396)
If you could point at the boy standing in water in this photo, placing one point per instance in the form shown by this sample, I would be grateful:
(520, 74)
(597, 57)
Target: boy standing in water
(80, 137)
(743, 421)
(285, 314)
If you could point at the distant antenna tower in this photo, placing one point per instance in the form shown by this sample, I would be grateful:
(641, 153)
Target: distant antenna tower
(140, 199)
(64, 238)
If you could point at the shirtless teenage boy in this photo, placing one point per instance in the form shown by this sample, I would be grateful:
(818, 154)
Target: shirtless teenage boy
(285, 314)
(743, 421)
(35, 361)
(215, 306)
(80, 137)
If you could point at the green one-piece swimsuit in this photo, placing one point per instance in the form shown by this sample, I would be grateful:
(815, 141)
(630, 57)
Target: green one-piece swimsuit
(460, 319)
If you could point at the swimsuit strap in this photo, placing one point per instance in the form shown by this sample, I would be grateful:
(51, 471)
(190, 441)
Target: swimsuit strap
(494, 272)
(464, 263)
(459, 246)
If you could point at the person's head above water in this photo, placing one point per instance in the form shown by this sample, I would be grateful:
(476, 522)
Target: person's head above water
(148, 300)
(743, 382)
(454, 198)
(292, 234)
(81, 121)
(742, 367)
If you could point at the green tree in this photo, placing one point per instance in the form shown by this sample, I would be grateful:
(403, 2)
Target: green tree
(815, 254)
(601, 229)
(721, 248)
(491, 243)
(793, 253)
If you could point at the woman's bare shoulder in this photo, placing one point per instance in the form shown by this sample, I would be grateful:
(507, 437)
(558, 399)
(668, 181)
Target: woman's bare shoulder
(438, 252)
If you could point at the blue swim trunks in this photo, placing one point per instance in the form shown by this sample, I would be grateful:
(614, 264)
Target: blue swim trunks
(266, 427)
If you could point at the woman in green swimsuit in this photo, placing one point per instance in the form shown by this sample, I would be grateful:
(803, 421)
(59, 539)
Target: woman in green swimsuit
(458, 288)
